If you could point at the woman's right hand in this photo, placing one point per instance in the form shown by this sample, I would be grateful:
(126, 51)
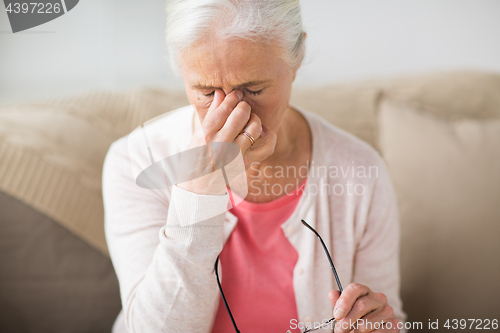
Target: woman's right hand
(228, 117)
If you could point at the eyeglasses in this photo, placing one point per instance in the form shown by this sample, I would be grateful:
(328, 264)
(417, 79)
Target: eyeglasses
(325, 324)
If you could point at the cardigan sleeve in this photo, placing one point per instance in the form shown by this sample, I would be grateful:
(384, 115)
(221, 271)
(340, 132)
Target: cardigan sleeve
(163, 260)
(376, 262)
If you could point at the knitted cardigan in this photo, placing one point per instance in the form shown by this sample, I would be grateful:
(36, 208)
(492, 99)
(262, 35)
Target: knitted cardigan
(164, 257)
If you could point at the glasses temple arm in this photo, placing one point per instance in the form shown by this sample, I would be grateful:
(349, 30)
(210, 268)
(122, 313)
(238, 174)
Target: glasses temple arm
(222, 294)
(327, 254)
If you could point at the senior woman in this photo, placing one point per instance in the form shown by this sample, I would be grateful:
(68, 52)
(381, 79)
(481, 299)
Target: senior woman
(238, 59)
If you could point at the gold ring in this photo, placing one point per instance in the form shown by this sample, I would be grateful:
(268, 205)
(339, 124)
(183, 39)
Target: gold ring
(249, 136)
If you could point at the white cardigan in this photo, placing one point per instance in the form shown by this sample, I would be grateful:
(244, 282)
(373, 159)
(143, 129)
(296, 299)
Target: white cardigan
(165, 270)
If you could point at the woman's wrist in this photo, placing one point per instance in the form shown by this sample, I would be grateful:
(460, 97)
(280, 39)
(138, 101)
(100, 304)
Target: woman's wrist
(211, 184)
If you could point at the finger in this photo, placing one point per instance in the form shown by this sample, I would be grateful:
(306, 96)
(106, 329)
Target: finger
(218, 99)
(333, 296)
(362, 307)
(215, 119)
(349, 296)
(235, 123)
(201, 122)
(378, 321)
(254, 128)
(263, 147)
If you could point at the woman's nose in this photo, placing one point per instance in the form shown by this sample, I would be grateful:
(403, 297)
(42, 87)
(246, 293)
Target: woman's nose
(227, 91)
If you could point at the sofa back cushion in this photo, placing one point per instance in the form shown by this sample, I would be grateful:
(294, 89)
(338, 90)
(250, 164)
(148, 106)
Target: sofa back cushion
(451, 95)
(447, 178)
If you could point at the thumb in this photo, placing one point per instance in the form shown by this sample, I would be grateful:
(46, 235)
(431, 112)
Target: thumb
(334, 295)
(219, 97)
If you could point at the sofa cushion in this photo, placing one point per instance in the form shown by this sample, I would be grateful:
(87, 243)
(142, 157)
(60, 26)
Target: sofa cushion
(451, 95)
(52, 153)
(446, 176)
(51, 281)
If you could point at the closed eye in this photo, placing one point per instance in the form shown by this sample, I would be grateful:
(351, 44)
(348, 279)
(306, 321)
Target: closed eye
(251, 92)
(255, 92)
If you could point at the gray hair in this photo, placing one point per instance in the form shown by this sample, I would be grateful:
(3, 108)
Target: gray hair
(272, 21)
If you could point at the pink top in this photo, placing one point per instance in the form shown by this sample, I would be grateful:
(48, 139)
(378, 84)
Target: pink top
(257, 262)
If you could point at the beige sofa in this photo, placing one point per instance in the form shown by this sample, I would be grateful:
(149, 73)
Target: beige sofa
(438, 133)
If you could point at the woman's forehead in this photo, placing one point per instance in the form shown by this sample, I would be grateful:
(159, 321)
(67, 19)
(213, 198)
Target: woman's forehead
(232, 62)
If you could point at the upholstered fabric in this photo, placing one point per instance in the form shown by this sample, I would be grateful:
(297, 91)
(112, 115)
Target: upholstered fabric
(447, 179)
(452, 95)
(50, 280)
(51, 153)
(51, 156)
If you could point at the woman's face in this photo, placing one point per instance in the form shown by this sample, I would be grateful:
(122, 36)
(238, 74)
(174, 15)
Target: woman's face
(257, 70)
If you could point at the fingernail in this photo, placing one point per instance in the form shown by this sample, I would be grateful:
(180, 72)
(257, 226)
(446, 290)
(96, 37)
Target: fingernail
(339, 313)
(239, 94)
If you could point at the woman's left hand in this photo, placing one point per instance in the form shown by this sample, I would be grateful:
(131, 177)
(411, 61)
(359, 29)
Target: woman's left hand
(358, 302)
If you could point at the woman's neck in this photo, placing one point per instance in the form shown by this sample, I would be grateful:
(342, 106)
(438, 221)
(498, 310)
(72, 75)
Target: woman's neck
(287, 167)
(293, 137)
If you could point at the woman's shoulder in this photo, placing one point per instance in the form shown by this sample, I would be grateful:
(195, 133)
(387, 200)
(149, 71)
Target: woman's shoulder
(154, 140)
(173, 127)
